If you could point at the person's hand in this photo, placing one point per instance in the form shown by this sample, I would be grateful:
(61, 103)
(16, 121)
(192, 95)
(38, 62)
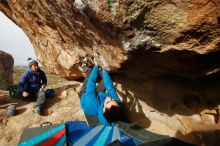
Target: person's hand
(100, 61)
(25, 94)
(96, 62)
(41, 90)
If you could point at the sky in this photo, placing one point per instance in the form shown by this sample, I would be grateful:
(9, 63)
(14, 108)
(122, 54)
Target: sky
(14, 41)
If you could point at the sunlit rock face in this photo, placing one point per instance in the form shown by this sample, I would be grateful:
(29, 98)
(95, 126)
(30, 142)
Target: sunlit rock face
(6, 70)
(166, 54)
(63, 32)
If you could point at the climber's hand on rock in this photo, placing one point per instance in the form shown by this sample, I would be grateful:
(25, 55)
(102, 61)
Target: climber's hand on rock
(96, 62)
(41, 90)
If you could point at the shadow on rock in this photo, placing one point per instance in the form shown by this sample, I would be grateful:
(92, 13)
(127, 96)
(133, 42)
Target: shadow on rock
(133, 110)
(204, 138)
(172, 82)
(20, 111)
(49, 103)
(181, 87)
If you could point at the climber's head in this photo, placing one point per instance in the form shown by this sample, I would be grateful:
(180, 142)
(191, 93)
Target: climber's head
(33, 64)
(111, 110)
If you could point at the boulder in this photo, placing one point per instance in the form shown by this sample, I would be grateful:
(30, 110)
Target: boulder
(6, 70)
(64, 32)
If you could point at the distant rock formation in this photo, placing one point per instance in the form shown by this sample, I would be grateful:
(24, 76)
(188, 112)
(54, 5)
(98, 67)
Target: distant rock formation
(6, 70)
(165, 52)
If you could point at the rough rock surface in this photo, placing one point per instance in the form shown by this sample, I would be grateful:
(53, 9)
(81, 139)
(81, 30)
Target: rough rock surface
(63, 107)
(63, 32)
(166, 53)
(6, 70)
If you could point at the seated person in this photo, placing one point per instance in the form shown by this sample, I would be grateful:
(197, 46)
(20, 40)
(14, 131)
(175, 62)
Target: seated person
(104, 104)
(32, 84)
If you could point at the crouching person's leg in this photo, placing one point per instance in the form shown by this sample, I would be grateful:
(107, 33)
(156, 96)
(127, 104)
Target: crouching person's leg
(38, 108)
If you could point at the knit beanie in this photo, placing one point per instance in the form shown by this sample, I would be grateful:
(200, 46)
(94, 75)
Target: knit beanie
(31, 62)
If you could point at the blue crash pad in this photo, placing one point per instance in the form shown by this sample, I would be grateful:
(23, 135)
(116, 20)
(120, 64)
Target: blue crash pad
(78, 133)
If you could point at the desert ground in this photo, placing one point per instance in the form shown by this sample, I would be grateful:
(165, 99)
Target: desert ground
(59, 109)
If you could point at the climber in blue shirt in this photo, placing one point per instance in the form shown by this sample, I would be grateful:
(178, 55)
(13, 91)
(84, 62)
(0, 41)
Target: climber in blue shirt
(32, 84)
(104, 102)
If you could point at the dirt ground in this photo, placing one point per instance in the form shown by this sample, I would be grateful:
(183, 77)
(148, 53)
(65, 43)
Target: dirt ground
(59, 109)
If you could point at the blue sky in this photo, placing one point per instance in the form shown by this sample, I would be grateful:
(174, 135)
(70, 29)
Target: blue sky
(14, 41)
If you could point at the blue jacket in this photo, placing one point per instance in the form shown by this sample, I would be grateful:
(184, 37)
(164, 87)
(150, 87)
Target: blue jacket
(92, 102)
(32, 81)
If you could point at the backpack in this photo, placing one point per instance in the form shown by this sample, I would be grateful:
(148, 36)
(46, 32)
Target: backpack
(14, 91)
(49, 93)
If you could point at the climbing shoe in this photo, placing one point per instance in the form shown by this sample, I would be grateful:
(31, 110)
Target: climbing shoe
(88, 61)
(38, 110)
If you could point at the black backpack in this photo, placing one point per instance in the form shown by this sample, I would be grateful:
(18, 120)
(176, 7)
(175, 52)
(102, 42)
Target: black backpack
(14, 91)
